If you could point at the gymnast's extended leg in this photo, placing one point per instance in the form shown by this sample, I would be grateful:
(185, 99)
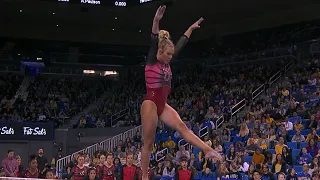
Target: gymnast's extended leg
(171, 118)
(149, 118)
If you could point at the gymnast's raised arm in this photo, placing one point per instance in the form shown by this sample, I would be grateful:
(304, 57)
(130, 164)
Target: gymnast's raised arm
(184, 39)
(154, 35)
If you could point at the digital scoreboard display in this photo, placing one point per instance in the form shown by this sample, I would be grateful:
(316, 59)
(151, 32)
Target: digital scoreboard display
(117, 3)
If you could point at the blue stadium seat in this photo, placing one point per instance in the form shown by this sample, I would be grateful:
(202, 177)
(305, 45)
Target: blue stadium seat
(291, 132)
(292, 145)
(295, 152)
(227, 144)
(305, 132)
(272, 151)
(298, 168)
(303, 144)
(236, 139)
(214, 174)
(196, 151)
(247, 159)
(234, 133)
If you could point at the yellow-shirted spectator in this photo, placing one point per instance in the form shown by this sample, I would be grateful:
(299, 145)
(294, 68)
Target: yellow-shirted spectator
(253, 140)
(313, 135)
(269, 120)
(285, 92)
(280, 145)
(53, 105)
(297, 125)
(170, 143)
(82, 122)
(258, 157)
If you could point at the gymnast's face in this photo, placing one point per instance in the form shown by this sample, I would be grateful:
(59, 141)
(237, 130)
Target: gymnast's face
(165, 54)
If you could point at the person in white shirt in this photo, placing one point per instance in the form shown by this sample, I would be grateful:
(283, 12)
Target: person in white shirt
(298, 137)
(288, 125)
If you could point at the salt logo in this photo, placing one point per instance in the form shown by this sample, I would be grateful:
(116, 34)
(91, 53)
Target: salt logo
(6, 131)
(34, 131)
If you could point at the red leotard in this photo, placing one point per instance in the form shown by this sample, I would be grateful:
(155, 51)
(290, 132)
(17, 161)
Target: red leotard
(158, 75)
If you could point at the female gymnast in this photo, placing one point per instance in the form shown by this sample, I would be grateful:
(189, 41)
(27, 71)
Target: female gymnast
(158, 81)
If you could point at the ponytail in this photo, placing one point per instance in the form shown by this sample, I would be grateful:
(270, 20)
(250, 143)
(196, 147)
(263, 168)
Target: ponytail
(164, 39)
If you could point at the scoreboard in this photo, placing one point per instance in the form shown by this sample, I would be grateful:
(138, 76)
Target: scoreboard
(116, 3)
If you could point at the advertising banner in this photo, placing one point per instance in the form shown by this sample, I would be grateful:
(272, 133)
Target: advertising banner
(26, 131)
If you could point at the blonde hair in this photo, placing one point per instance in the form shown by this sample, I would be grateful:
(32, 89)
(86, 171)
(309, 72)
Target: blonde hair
(164, 39)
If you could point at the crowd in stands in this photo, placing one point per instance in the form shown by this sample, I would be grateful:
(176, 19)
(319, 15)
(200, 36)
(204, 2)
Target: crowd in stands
(278, 138)
(193, 86)
(51, 98)
(9, 84)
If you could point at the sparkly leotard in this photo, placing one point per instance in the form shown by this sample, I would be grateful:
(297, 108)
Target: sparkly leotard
(158, 75)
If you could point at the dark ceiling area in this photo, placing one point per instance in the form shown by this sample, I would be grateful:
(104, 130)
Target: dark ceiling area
(37, 19)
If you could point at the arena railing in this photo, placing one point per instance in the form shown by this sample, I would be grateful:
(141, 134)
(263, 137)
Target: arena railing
(236, 108)
(258, 91)
(219, 121)
(108, 144)
(115, 117)
(200, 134)
(272, 80)
(161, 154)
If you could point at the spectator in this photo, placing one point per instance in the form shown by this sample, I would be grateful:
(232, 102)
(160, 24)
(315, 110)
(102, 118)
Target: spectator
(314, 165)
(231, 156)
(305, 172)
(282, 176)
(288, 125)
(313, 135)
(79, 171)
(250, 171)
(129, 171)
(287, 155)
(279, 165)
(32, 171)
(256, 175)
(234, 172)
(292, 174)
(56, 158)
(266, 174)
(222, 171)
(280, 145)
(169, 169)
(20, 165)
(304, 157)
(298, 137)
(92, 175)
(42, 162)
(170, 143)
(207, 174)
(183, 173)
(182, 152)
(312, 147)
(49, 174)
(10, 165)
(258, 157)
(108, 169)
(194, 162)
(159, 169)
(225, 137)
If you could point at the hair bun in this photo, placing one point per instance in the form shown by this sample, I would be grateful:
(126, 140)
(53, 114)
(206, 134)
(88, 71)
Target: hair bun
(163, 34)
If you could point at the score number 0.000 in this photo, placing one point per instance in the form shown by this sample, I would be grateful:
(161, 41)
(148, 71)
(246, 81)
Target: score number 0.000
(120, 3)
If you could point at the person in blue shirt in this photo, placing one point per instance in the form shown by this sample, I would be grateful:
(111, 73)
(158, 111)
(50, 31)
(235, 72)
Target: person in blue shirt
(305, 172)
(304, 157)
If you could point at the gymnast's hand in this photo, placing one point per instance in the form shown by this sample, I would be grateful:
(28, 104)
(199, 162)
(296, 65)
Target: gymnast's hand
(196, 25)
(159, 13)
